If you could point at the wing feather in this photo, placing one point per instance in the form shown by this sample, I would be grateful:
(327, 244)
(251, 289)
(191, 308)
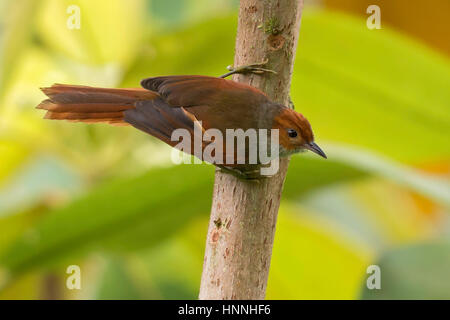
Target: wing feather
(188, 91)
(217, 102)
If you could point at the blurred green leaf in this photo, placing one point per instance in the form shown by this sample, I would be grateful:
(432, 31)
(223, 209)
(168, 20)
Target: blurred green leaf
(165, 11)
(419, 271)
(36, 180)
(133, 212)
(116, 283)
(311, 261)
(372, 88)
(157, 270)
(206, 48)
(434, 187)
(14, 226)
(12, 156)
(307, 173)
(113, 38)
(15, 25)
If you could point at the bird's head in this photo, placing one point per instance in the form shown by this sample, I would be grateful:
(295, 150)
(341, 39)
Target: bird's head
(295, 133)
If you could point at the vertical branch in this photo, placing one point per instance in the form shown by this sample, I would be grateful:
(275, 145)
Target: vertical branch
(243, 215)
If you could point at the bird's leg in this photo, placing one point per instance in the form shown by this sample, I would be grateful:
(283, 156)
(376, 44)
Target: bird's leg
(256, 68)
(251, 68)
(241, 174)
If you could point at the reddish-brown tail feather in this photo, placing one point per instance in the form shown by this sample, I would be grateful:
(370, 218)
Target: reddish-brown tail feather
(91, 105)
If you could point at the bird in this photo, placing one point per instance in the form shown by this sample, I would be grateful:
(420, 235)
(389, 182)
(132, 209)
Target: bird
(190, 102)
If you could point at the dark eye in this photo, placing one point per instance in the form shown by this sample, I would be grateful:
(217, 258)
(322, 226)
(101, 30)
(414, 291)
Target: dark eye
(292, 133)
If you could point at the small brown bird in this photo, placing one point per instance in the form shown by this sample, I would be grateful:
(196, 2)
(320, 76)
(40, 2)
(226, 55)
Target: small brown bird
(178, 102)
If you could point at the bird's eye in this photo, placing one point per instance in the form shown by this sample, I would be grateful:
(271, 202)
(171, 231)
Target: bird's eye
(292, 133)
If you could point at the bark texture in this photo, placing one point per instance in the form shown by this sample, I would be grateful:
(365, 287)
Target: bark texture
(244, 213)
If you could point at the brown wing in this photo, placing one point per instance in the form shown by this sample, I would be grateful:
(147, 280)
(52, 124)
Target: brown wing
(159, 119)
(218, 103)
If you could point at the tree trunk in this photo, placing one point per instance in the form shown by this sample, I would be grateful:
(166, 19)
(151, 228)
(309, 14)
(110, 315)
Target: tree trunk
(244, 213)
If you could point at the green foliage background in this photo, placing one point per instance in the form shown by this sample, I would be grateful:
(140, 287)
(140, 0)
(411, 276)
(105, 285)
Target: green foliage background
(109, 200)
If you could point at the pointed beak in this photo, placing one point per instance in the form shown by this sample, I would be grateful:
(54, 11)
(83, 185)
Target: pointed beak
(316, 149)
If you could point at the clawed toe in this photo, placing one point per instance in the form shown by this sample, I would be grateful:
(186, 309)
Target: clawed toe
(253, 175)
(256, 68)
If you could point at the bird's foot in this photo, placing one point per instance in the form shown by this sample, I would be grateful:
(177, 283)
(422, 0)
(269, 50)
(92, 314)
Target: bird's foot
(253, 176)
(256, 68)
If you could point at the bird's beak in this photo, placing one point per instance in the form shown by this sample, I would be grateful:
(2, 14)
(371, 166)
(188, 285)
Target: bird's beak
(316, 149)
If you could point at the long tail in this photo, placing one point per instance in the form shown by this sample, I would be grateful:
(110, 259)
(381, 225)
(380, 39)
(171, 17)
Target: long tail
(91, 105)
